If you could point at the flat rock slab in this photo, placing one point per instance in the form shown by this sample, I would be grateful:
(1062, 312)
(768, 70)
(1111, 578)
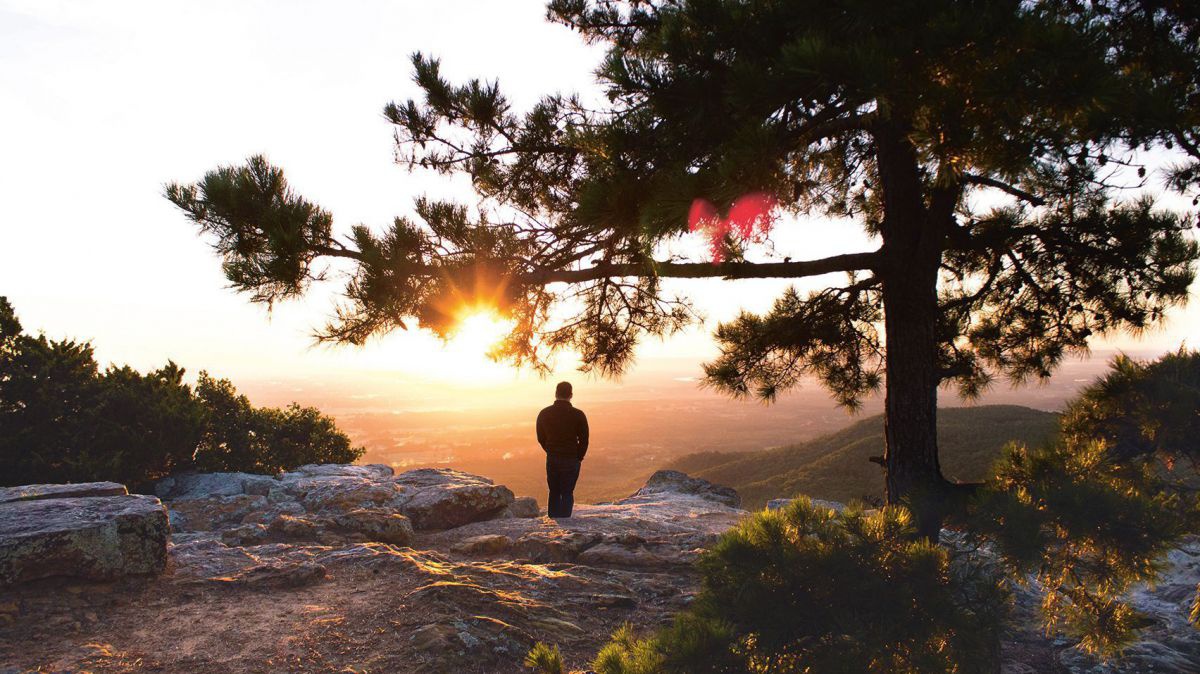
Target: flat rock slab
(335, 503)
(656, 529)
(34, 492)
(92, 537)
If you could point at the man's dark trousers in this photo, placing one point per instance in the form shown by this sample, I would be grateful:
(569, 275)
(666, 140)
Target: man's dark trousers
(562, 472)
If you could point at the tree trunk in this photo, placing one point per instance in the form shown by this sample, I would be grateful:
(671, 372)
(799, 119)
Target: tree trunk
(914, 476)
(912, 248)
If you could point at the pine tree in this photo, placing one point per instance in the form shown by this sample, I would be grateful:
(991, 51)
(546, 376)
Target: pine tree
(986, 148)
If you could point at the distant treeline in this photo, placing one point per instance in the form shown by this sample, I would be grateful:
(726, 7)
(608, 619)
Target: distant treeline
(62, 419)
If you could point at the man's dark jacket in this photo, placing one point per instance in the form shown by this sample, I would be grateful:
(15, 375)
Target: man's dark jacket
(562, 430)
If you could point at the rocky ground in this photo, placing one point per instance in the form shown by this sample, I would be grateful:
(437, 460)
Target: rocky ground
(354, 569)
(270, 574)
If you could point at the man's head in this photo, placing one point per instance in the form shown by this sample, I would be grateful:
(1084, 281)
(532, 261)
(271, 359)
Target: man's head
(563, 391)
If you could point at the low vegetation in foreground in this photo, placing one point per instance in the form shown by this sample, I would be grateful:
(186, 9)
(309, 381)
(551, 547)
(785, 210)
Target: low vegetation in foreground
(1077, 522)
(62, 419)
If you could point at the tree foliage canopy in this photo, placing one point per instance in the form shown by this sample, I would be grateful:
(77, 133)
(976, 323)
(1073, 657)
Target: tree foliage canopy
(1016, 124)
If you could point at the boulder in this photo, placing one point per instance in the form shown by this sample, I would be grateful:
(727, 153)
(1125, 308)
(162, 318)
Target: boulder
(342, 493)
(373, 471)
(443, 498)
(675, 482)
(377, 525)
(296, 528)
(209, 485)
(246, 534)
(485, 544)
(193, 560)
(317, 502)
(218, 512)
(34, 492)
(522, 506)
(92, 537)
(555, 545)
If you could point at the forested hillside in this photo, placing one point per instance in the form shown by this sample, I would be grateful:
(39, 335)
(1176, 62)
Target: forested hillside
(836, 466)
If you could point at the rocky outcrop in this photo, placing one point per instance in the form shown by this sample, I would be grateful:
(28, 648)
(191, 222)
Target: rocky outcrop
(209, 485)
(471, 598)
(92, 537)
(665, 524)
(34, 492)
(333, 504)
(352, 568)
(443, 499)
(675, 482)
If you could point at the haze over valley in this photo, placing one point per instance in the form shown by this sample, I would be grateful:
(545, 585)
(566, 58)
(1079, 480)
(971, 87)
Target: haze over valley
(654, 416)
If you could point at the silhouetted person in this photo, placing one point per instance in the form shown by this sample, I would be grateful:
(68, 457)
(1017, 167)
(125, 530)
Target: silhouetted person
(562, 431)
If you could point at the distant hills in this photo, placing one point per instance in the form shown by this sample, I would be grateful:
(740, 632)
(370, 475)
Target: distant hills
(835, 466)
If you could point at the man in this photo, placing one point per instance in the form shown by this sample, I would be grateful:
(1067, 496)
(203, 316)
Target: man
(562, 431)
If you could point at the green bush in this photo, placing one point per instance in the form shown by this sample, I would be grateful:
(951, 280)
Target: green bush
(1090, 516)
(1084, 527)
(62, 420)
(545, 659)
(45, 387)
(807, 589)
(240, 437)
(1143, 409)
(143, 428)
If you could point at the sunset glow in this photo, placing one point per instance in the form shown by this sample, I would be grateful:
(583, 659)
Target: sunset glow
(464, 355)
(478, 331)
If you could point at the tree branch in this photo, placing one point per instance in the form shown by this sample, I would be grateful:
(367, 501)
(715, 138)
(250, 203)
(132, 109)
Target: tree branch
(728, 270)
(338, 251)
(1004, 187)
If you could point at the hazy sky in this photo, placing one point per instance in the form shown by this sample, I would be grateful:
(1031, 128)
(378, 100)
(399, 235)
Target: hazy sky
(104, 102)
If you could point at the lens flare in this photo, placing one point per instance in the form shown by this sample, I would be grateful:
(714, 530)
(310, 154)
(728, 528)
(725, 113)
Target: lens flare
(750, 216)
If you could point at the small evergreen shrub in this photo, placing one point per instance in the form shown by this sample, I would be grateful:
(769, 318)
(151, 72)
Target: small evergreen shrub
(1143, 409)
(1085, 528)
(545, 659)
(807, 589)
(1092, 515)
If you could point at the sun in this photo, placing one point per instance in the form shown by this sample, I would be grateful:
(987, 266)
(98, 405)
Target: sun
(459, 357)
(462, 357)
(477, 331)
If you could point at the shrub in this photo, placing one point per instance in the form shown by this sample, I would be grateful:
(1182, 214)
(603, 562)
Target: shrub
(545, 659)
(45, 387)
(1083, 528)
(143, 428)
(1091, 516)
(61, 420)
(1143, 409)
(239, 437)
(808, 589)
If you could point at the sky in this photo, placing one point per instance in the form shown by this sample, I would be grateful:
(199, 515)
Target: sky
(103, 103)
